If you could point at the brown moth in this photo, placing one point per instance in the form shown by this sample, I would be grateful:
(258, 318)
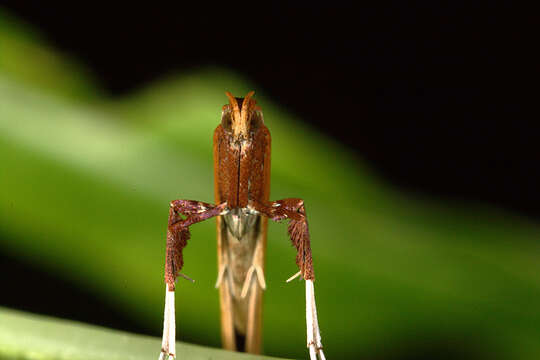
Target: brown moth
(242, 209)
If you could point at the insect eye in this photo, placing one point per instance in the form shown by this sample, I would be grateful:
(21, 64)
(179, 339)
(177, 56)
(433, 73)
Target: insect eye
(226, 120)
(256, 119)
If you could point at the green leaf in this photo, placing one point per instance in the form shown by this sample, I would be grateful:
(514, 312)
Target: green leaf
(32, 337)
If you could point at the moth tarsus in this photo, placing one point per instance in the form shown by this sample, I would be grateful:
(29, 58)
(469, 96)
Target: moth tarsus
(242, 146)
(168, 345)
(312, 324)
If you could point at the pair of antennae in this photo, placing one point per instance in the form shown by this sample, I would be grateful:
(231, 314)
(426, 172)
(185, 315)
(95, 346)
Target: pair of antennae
(245, 104)
(241, 116)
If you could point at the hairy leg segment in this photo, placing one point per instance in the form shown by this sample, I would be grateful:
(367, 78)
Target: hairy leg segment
(293, 209)
(182, 214)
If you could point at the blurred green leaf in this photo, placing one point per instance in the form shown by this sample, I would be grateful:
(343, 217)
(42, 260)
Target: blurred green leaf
(27, 337)
(85, 187)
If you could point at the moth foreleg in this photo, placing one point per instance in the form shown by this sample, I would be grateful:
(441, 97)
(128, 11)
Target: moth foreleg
(178, 232)
(294, 210)
(177, 237)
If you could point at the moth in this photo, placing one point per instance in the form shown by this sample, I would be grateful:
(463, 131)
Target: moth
(242, 208)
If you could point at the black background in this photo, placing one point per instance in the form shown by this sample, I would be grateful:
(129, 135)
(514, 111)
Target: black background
(438, 98)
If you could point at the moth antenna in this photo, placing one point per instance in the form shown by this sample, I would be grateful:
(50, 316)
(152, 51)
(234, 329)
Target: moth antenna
(234, 105)
(247, 105)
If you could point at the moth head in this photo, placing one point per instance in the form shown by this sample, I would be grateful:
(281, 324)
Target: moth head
(241, 116)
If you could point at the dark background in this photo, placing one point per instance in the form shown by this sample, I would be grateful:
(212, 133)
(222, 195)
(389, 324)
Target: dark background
(436, 97)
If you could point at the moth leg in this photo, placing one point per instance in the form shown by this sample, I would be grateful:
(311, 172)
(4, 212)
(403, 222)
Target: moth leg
(293, 209)
(257, 272)
(177, 237)
(221, 273)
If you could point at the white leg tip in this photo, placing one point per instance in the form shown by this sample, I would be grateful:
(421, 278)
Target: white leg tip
(168, 345)
(312, 354)
(312, 324)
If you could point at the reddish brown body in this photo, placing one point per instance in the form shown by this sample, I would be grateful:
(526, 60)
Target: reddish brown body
(242, 147)
(242, 165)
(241, 177)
